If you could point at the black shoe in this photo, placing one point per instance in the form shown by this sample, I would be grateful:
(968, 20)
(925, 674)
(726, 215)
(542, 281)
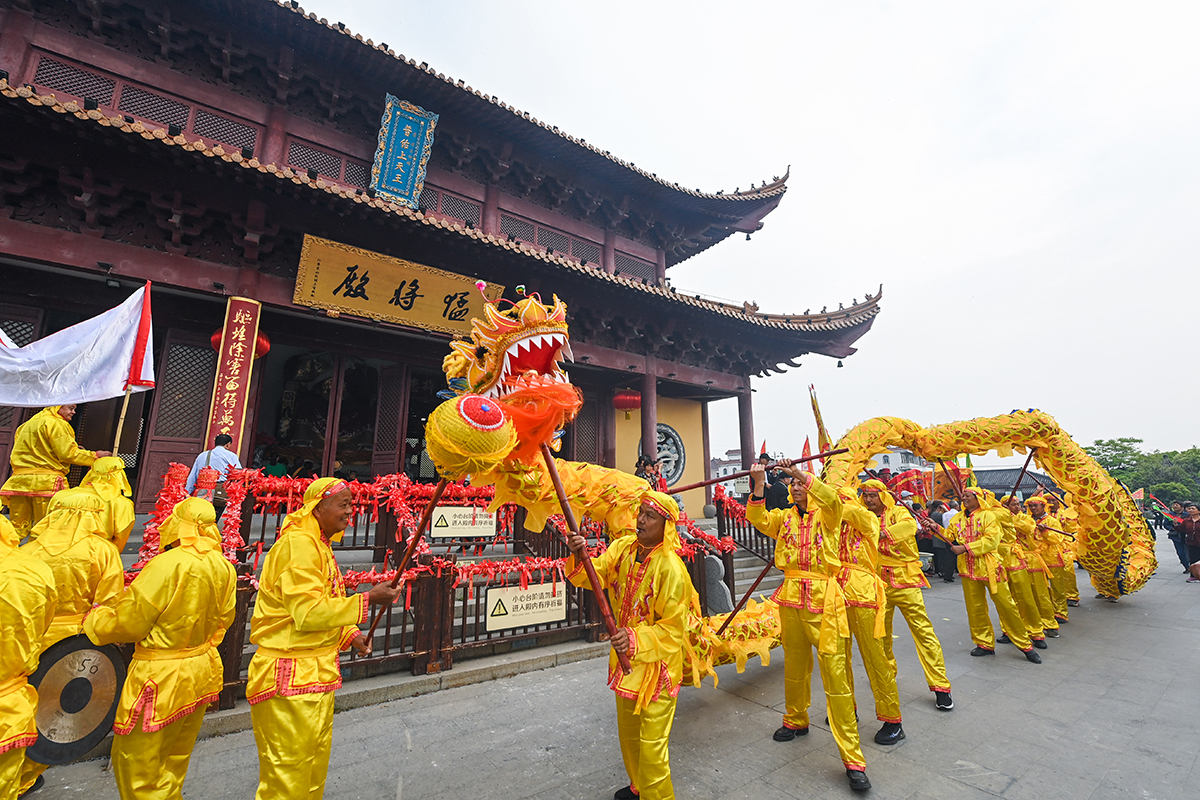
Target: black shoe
(41, 781)
(982, 651)
(943, 701)
(1051, 633)
(1073, 603)
(858, 780)
(1032, 657)
(625, 793)
(1061, 619)
(890, 733)
(786, 734)
(948, 580)
(1040, 644)
(1004, 639)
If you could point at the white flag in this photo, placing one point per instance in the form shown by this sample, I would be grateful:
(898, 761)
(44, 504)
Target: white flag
(94, 360)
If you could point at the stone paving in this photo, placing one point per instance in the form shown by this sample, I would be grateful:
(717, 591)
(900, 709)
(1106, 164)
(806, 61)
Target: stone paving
(1112, 713)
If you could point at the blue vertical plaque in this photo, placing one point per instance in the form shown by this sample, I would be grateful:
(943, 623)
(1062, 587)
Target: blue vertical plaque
(405, 140)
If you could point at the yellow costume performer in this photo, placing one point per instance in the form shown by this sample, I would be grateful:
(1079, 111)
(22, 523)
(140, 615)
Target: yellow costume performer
(107, 480)
(1069, 518)
(177, 610)
(866, 611)
(27, 586)
(976, 534)
(1015, 562)
(651, 594)
(812, 610)
(1051, 546)
(900, 569)
(44, 449)
(302, 619)
(1039, 573)
(72, 542)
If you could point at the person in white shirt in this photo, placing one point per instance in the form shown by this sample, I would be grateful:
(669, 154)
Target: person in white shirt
(220, 458)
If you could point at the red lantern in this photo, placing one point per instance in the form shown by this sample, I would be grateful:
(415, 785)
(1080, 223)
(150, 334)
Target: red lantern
(262, 344)
(627, 400)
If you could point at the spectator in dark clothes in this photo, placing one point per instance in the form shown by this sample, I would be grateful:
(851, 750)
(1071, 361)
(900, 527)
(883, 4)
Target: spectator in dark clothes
(776, 494)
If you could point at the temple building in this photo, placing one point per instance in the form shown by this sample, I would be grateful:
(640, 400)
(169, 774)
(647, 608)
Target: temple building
(214, 148)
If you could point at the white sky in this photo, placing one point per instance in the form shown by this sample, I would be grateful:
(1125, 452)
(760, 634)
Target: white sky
(1023, 179)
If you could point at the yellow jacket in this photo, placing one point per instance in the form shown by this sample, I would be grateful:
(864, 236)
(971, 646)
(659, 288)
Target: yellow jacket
(858, 552)
(651, 600)
(86, 566)
(302, 617)
(1050, 544)
(899, 559)
(177, 610)
(29, 601)
(980, 533)
(44, 448)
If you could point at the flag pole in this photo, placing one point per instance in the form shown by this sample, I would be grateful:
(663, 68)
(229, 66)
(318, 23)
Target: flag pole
(121, 419)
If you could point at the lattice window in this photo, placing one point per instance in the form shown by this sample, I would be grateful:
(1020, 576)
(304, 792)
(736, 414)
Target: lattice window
(153, 107)
(21, 333)
(358, 174)
(305, 157)
(585, 251)
(587, 433)
(553, 240)
(459, 208)
(517, 228)
(222, 129)
(635, 267)
(74, 81)
(387, 432)
(429, 200)
(184, 392)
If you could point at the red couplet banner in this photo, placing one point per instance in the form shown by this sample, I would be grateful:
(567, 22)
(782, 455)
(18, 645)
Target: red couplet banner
(235, 360)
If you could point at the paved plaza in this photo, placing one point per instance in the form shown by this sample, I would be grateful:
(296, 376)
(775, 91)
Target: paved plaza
(1112, 713)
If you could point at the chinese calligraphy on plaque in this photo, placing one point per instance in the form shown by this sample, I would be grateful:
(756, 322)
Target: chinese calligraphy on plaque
(235, 361)
(350, 280)
(405, 139)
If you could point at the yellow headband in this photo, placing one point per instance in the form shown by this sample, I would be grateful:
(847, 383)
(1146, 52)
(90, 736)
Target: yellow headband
(107, 477)
(317, 491)
(193, 524)
(666, 507)
(885, 496)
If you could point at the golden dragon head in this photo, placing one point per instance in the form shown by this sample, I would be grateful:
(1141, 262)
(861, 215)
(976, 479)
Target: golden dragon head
(510, 348)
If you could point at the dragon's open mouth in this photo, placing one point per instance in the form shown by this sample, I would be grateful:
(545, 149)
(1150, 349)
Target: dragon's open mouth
(532, 358)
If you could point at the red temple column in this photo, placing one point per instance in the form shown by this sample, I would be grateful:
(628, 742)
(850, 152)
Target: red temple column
(661, 265)
(650, 409)
(746, 429)
(608, 254)
(708, 490)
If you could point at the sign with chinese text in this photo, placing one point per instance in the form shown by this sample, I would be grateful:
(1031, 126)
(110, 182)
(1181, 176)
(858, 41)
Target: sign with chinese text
(235, 360)
(741, 485)
(405, 139)
(514, 607)
(350, 280)
(459, 522)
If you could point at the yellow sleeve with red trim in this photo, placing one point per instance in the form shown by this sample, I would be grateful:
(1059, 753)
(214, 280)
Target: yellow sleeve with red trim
(768, 523)
(989, 534)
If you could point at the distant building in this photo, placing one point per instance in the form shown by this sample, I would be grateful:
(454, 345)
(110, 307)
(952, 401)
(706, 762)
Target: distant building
(897, 460)
(1000, 480)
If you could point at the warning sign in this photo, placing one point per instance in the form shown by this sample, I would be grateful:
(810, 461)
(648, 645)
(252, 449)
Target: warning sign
(514, 607)
(741, 485)
(462, 522)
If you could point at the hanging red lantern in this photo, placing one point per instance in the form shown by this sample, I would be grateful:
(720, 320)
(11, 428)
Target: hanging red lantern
(262, 344)
(627, 400)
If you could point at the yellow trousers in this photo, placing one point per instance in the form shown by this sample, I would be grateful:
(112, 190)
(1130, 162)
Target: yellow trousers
(644, 739)
(10, 772)
(294, 736)
(800, 632)
(152, 766)
(1041, 591)
(1070, 584)
(1021, 587)
(982, 633)
(1058, 589)
(881, 670)
(929, 650)
(25, 512)
(29, 773)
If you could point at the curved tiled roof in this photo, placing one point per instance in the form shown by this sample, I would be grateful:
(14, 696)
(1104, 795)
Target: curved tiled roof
(840, 320)
(776, 187)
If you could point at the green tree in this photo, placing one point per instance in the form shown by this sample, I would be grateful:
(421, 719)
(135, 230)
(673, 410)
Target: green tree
(1170, 492)
(1120, 457)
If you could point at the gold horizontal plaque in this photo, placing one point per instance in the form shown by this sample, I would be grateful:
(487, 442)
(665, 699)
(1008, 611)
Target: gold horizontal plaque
(350, 280)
